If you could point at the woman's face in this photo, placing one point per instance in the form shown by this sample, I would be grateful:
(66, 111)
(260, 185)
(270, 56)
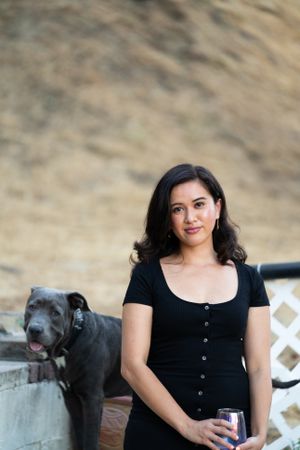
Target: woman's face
(193, 213)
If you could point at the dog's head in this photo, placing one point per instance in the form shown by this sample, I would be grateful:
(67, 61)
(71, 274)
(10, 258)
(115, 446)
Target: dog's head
(49, 315)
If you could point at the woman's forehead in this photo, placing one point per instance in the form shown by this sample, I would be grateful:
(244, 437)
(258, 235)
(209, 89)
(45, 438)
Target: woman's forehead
(189, 190)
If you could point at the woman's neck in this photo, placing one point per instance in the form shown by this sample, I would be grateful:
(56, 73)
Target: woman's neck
(195, 256)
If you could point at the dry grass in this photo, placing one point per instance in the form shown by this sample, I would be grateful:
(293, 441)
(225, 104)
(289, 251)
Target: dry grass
(98, 99)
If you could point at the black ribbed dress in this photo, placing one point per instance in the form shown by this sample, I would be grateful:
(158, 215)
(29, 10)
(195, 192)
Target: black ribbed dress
(196, 352)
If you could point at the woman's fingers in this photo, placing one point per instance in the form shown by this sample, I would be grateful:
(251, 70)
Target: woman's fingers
(223, 423)
(225, 428)
(225, 432)
(252, 443)
(212, 432)
(220, 440)
(216, 431)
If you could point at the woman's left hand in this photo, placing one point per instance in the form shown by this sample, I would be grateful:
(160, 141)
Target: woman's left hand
(252, 443)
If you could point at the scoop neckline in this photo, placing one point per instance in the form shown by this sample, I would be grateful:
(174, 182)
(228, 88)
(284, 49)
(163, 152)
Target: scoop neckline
(207, 302)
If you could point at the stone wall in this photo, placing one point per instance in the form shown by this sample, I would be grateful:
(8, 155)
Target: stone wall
(32, 416)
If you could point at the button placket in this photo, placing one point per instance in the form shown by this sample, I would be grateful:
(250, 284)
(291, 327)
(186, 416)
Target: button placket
(205, 339)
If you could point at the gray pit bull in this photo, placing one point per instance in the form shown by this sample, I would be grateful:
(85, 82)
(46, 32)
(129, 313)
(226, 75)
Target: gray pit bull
(61, 324)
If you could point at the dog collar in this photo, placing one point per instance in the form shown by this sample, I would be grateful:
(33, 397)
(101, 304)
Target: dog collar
(78, 319)
(77, 326)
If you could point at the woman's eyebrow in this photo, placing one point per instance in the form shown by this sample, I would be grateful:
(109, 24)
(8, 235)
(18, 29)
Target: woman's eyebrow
(199, 198)
(196, 200)
(176, 203)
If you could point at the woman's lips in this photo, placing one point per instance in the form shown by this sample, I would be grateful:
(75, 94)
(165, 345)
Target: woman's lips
(192, 230)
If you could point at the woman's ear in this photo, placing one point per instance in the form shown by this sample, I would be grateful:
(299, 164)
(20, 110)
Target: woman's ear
(218, 207)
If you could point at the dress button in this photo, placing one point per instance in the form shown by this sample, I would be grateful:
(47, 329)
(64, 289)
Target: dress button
(206, 324)
(204, 358)
(200, 393)
(205, 340)
(206, 307)
(199, 409)
(202, 376)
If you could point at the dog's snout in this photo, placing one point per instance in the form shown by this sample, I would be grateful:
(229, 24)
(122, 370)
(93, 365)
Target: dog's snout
(35, 329)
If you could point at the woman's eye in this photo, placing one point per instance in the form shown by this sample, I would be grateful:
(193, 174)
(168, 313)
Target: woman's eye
(199, 204)
(176, 209)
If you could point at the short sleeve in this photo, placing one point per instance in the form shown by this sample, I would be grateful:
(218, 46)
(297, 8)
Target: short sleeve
(259, 295)
(140, 286)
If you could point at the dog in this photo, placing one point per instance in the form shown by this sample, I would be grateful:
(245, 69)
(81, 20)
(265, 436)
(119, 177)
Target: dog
(61, 324)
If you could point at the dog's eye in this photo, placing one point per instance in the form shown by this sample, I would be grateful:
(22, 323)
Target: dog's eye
(55, 313)
(32, 307)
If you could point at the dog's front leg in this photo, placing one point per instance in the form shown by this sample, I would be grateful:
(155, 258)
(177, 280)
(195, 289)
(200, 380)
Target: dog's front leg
(92, 413)
(75, 409)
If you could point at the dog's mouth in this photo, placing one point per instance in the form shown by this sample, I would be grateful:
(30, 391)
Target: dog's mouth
(36, 347)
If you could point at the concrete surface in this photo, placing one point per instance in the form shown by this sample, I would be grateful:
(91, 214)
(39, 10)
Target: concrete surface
(32, 416)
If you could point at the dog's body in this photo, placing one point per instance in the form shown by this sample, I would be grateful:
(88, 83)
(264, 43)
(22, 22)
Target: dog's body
(61, 324)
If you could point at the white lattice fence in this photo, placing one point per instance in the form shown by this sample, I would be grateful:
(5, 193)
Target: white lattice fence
(285, 412)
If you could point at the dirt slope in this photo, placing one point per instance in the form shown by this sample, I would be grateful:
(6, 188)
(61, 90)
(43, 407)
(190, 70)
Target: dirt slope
(98, 99)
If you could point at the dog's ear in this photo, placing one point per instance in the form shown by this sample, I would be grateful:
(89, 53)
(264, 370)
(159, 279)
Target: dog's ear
(33, 288)
(78, 301)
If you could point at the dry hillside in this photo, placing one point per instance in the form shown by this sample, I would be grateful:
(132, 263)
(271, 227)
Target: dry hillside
(99, 98)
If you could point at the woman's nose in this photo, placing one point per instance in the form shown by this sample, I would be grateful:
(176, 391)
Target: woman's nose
(190, 215)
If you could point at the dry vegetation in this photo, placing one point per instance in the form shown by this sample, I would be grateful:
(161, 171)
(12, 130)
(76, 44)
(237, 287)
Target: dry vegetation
(99, 98)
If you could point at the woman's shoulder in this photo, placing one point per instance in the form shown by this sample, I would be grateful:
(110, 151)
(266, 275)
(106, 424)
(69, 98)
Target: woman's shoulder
(145, 267)
(167, 260)
(249, 271)
(246, 267)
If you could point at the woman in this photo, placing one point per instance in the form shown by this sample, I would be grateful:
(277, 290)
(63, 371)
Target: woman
(191, 310)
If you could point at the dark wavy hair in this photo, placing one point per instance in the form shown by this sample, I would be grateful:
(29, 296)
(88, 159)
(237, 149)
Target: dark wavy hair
(158, 242)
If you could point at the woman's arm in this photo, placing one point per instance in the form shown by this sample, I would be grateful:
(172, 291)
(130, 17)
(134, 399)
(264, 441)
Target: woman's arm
(136, 339)
(257, 359)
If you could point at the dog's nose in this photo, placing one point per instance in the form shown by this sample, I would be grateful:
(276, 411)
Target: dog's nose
(35, 329)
